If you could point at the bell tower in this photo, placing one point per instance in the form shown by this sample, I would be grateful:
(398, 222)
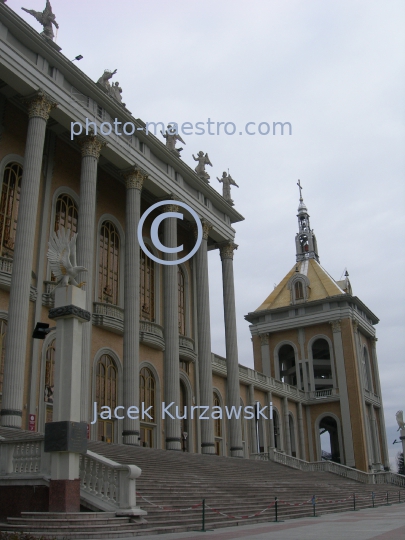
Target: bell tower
(305, 240)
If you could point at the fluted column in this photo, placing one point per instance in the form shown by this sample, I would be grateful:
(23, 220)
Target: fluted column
(171, 333)
(39, 108)
(231, 342)
(253, 422)
(204, 339)
(287, 427)
(91, 147)
(301, 432)
(380, 411)
(134, 179)
(271, 422)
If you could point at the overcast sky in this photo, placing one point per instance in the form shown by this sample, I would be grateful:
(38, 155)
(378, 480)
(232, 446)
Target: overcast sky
(335, 71)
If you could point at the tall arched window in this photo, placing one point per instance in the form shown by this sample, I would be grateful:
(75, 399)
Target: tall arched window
(106, 395)
(147, 288)
(286, 358)
(181, 300)
(299, 291)
(368, 381)
(217, 427)
(66, 213)
(322, 364)
(3, 331)
(109, 265)
(147, 395)
(49, 380)
(10, 199)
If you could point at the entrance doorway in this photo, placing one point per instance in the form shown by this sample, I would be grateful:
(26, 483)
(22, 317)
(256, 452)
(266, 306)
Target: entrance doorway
(329, 439)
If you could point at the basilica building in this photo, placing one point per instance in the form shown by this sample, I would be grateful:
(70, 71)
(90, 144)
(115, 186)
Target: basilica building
(148, 340)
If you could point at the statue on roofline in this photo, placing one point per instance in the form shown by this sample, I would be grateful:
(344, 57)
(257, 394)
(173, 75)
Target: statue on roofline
(400, 420)
(227, 181)
(172, 137)
(46, 18)
(114, 90)
(203, 160)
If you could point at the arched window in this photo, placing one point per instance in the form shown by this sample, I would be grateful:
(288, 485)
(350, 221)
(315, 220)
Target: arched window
(66, 213)
(147, 395)
(109, 265)
(286, 358)
(368, 382)
(217, 427)
(106, 395)
(292, 435)
(276, 426)
(322, 364)
(10, 199)
(329, 440)
(181, 300)
(49, 380)
(147, 288)
(3, 331)
(299, 291)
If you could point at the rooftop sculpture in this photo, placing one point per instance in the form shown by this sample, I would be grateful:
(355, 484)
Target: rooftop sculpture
(171, 139)
(227, 181)
(114, 91)
(203, 160)
(62, 258)
(46, 18)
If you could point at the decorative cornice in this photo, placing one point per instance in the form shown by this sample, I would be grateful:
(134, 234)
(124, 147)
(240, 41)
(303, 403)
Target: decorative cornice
(40, 105)
(69, 311)
(91, 145)
(335, 325)
(134, 177)
(226, 250)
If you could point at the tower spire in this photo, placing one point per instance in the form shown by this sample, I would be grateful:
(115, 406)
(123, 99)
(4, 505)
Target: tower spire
(305, 241)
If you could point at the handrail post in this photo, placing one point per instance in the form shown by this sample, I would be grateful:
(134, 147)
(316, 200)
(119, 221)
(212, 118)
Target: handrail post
(372, 497)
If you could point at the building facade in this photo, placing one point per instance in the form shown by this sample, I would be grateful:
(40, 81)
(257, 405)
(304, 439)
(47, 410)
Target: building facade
(149, 337)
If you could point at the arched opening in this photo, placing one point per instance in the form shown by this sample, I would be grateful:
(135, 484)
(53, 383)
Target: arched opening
(299, 290)
(217, 426)
(106, 396)
(109, 264)
(260, 437)
(184, 421)
(9, 203)
(322, 364)
(66, 214)
(286, 358)
(147, 395)
(276, 427)
(292, 435)
(329, 439)
(147, 288)
(368, 381)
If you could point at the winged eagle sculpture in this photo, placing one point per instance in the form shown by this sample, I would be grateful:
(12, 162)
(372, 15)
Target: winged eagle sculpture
(46, 18)
(62, 258)
(400, 420)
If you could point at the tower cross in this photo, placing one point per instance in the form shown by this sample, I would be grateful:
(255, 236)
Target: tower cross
(301, 188)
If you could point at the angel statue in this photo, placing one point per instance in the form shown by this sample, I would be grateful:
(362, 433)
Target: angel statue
(46, 18)
(400, 420)
(227, 181)
(171, 138)
(203, 160)
(62, 258)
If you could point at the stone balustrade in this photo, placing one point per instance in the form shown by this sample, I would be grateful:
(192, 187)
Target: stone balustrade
(186, 348)
(6, 270)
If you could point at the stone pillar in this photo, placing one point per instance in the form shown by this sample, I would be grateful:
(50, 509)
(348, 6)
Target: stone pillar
(39, 108)
(384, 448)
(134, 179)
(264, 342)
(204, 339)
(64, 486)
(171, 333)
(343, 393)
(231, 341)
(301, 432)
(286, 427)
(86, 250)
(253, 422)
(271, 422)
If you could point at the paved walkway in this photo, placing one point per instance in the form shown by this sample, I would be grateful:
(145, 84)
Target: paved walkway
(382, 523)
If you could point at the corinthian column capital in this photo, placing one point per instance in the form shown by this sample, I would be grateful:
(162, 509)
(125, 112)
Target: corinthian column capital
(91, 145)
(226, 250)
(206, 227)
(40, 105)
(335, 325)
(171, 207)
(134, 177)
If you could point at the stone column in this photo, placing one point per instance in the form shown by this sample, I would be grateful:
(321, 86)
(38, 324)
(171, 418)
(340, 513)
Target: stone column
(232, 381)
(253, 422)
(134, 179)
(204, 339)
(271, 422)
(287, 427)
(171, 333)
(343, 393)
(39, 108)
(380, 412)
(264, 342)
(86, 249)
(301, 432)
(66, 437)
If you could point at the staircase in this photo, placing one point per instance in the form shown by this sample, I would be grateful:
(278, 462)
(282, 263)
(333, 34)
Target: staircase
(173, 484)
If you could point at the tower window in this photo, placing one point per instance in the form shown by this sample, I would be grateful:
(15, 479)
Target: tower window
(299, 291)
